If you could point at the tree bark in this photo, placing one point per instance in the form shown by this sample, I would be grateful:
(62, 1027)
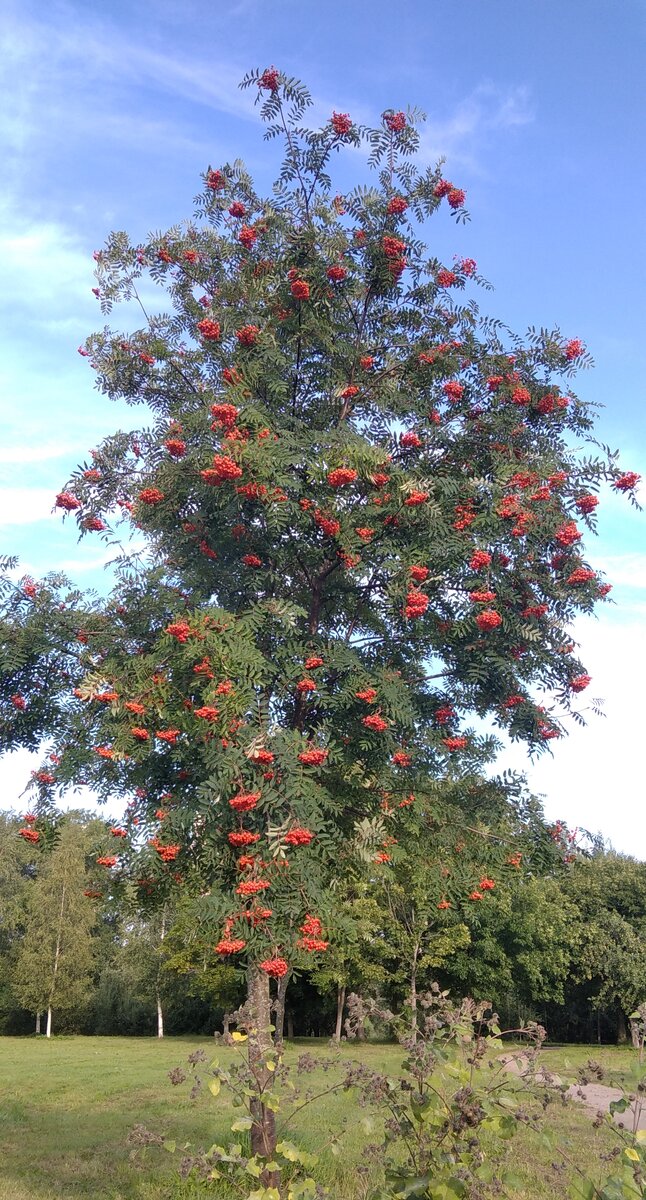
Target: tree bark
(413, 994)
(160, 1018)
(48, 1032)
(340, 1005)
(37, 1022)
(290, 1025)
(622, 1032)
(260, 1046)
(279, 1009)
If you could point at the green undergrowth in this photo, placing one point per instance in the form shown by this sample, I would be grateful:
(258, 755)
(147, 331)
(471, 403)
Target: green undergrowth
(67, 1107)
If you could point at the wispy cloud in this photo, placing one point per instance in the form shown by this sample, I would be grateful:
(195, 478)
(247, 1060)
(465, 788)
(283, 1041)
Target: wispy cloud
(84, 74)
(57, 62)
(20, 454)
(489, 109)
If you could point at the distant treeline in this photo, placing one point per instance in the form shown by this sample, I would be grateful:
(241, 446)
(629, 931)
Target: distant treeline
(564, 947)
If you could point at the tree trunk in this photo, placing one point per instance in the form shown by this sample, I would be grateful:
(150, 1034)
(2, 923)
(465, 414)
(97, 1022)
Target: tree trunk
(622, 1032)
(290, 1025)
(160, 1011)
(37, 1022)
(279, 1010)
(260, 1047)
(413, 994)
(340, 1005)
(57, 955)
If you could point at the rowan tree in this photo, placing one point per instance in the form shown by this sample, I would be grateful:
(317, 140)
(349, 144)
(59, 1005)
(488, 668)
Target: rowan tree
(362, 510)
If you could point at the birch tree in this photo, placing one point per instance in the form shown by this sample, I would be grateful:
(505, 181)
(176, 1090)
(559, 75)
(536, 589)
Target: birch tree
(54, 966)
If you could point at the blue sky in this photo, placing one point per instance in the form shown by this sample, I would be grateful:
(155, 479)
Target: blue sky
(110, 113)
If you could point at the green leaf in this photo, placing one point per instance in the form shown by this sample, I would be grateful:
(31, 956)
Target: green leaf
(288, 1151)
(583, 1189)
(292, 1153)
(241, 1125)
(170, 1145)
(512, 1180)
(215, 1086)
(407, 1186)
(303, 1190)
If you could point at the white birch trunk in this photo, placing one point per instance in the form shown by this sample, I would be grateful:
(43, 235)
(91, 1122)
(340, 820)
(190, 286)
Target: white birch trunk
(340, 1004)
(160, 1011)
(57, 955)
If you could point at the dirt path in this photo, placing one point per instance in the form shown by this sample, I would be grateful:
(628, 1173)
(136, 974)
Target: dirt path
(596, 1096)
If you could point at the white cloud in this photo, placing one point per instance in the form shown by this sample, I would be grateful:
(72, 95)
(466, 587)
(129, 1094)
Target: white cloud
(628, 570)
(595, 778)
(81, 75)
(15, 455)
(15, 773)
(24, 505)
(45, 268)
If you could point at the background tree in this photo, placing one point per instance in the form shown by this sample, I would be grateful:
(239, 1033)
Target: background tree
(521, 951)
(16, 876)
(53, 970)
(360, 504)
(608, 969)
(354, 961)
(191, 963)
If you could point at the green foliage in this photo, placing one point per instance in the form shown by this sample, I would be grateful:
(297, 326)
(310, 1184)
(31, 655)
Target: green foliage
(54, 963)
(449, 1113)
(446, 1117)
(609, 892)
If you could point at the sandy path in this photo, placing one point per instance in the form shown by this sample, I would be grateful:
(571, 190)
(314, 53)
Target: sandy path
(596, 1096)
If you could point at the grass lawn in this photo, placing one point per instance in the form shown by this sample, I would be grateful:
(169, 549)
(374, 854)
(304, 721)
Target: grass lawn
(66, 1107)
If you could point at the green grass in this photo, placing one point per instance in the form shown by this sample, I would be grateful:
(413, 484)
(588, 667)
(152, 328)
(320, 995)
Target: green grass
(67, 1106)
